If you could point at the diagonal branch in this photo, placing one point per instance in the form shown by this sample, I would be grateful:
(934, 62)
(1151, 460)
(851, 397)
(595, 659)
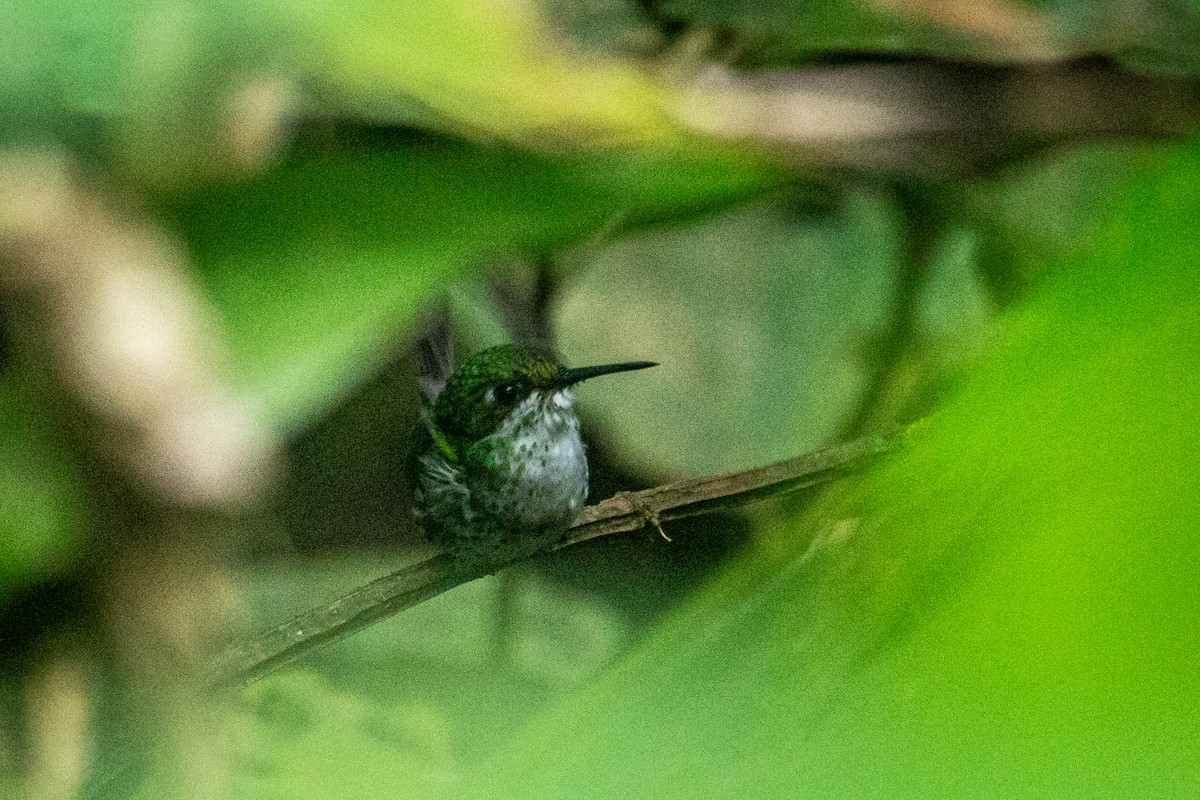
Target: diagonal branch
(258, 656)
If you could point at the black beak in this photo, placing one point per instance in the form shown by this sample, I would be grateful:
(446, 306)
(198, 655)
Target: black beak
(570, 376)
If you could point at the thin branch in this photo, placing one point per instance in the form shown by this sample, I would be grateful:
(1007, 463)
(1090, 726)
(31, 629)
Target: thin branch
(247, 661)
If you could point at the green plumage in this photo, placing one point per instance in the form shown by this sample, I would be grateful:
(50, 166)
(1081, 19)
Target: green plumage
(503, 472)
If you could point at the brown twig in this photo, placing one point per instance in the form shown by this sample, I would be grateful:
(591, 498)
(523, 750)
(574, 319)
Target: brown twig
(247, 661)
(934, 118)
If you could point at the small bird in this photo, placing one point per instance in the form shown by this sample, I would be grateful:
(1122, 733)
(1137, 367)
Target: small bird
(502, 470)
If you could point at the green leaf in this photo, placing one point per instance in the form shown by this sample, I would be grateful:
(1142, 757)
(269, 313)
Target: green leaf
(1006, 609)
(137, 86)
(486, 66)
(292, 724)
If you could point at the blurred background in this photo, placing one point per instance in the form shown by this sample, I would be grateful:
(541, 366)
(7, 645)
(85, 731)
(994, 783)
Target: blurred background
(223, 227)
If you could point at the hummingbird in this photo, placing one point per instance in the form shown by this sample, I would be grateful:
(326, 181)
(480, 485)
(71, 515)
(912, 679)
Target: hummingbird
(502, 471)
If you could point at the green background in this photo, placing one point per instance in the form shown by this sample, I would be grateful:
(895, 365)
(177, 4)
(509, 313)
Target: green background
(1007, 607)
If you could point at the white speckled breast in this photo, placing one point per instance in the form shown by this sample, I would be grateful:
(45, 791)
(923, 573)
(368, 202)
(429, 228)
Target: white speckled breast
(549, 483)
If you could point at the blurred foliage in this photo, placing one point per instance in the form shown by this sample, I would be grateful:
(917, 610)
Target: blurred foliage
(41, 502)
(499, 69)
(1007, 608)
(1159, 35)
(143, 87)
(1156, 36)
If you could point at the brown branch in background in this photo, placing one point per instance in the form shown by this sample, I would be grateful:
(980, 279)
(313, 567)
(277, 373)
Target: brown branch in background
(1000, 29)
(247, 661)
(934, 118)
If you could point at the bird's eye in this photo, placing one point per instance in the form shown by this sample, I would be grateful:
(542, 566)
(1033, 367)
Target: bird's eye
(506, 394)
